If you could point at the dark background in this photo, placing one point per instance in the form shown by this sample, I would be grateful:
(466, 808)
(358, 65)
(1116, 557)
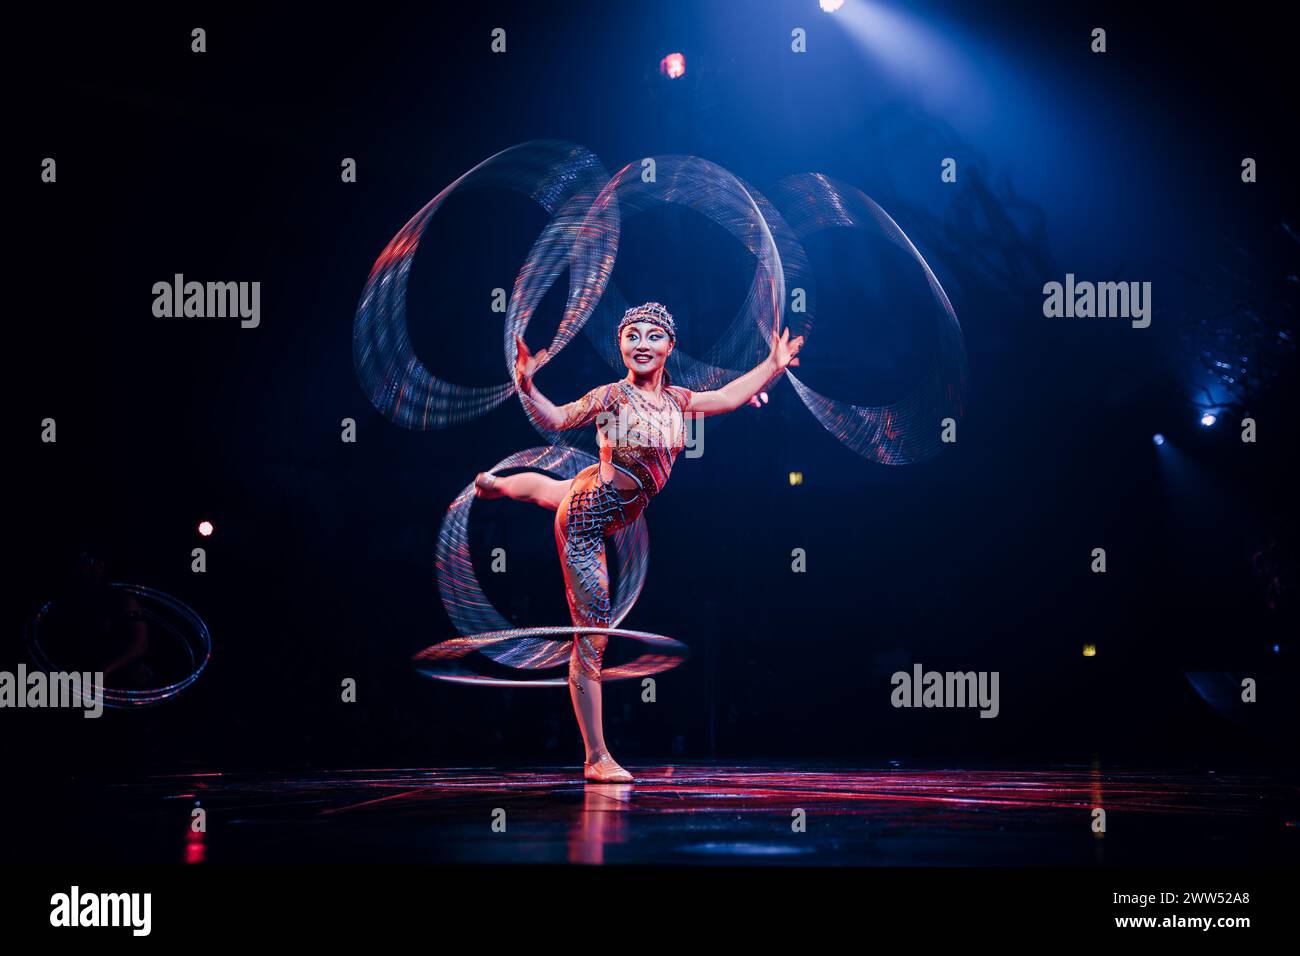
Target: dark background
(225, 166)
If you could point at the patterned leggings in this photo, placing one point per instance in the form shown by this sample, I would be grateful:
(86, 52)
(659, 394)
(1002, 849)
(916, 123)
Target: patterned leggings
(590, 512)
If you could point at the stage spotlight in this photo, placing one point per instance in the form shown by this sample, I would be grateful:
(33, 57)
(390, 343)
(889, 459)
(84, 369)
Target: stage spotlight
(1277, 648)
(1208, 419)
(830, 6)
(205, 528)
(673, 65)
(796, 478)
(1158, 438)
(1090, 650)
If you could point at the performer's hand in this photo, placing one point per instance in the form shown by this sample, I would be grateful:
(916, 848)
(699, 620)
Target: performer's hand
(754, 399)
(526, 365)
(784, 349)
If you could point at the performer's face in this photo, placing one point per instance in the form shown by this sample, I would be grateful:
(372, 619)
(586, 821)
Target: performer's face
(645, 346)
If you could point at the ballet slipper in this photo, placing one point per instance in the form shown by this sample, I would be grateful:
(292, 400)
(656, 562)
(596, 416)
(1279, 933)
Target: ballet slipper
(606, 770)
(485, 486)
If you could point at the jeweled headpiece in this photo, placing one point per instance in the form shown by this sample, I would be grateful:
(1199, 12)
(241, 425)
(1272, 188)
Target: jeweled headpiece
(651, 312)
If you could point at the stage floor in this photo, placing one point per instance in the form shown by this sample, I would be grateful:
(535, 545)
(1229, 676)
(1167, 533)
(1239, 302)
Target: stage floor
(685, 814)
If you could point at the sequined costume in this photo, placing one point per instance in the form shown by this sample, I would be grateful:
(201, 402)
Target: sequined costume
(641, 438)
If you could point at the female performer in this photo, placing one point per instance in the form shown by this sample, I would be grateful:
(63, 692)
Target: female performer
(641, 429)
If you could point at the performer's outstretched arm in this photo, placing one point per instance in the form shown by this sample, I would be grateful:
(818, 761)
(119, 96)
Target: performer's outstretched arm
(741, 389)
(550, 416)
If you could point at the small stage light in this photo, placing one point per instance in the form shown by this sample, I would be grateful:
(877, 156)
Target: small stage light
(673, 65)
(1208, 419)
(1277, 648)
(830, 6)
(796, 478)
(205, 528)
(1090, 650)
(1158, 438)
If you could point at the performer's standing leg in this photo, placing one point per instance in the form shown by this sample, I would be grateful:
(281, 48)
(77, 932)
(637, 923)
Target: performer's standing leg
(580, 524)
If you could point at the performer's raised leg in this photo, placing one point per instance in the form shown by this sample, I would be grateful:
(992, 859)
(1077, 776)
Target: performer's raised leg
(526, 486)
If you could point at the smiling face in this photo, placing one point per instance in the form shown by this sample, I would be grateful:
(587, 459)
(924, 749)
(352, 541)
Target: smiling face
(645, 347)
